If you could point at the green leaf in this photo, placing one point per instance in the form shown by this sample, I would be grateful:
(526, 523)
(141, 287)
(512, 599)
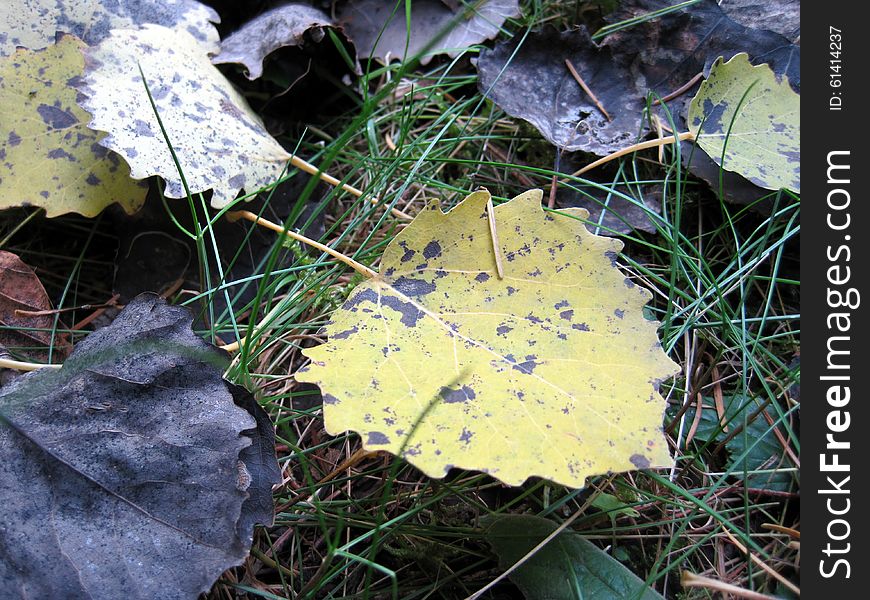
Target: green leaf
(551, 370)
(220, 143)
(48, 156)
(613, 506)
(749, 122)
(568, 567)
(757, 438)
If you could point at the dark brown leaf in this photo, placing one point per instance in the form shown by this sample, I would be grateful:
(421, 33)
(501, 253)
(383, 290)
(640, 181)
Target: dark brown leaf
(534, 84)
(781, 16)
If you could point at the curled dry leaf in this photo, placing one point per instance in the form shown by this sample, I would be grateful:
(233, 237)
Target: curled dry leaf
(274, 29)
(378, 28)
(220, 143)
(32, 24)
(48, 156)
(550, 371)
(21, 290)
(133, 471)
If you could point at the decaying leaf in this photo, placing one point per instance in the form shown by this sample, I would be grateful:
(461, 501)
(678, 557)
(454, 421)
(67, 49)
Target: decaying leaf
(749, 122)
(781, 16)
(379, 28)
(618, 208)
(664, 53)
(282, 26)
(32, 24)
(133, 471)
(48, 156)
(534, 84)
(567, 567)
(21, 290)
(221, 144)
(551, 370)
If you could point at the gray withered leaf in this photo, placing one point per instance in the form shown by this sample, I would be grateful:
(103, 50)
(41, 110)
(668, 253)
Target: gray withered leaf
(135, 471)
(379, 28)
(276, 28)
(532, 82)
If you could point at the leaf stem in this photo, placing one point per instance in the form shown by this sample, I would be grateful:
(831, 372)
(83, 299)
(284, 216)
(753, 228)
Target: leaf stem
(358, 267)
(496, 247)
(18, 365)
(671, 139)
(307, 167)
(586, 88)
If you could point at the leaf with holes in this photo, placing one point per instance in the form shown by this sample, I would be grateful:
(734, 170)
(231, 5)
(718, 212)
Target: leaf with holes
(135, 471)
(550, 370)
(749, 122)
(48, 156)
(220, 143)
(32, 24)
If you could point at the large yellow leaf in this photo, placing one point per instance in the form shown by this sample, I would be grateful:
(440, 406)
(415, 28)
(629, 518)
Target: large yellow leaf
(48, 156)
(551, 370)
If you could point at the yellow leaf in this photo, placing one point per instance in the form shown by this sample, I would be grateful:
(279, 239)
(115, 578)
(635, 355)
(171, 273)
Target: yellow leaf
(48, 156)
(550, 371)
(747, 121)
(220, 143)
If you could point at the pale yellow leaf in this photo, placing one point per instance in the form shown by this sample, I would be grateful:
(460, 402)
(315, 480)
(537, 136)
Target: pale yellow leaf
(550, 371)
(221, 144)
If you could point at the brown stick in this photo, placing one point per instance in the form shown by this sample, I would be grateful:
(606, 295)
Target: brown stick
(679, 91)
(586, 89)
(688, 135)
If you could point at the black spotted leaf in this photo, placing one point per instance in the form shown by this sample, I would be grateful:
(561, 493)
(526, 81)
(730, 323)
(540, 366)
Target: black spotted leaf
(135, 471)
(48, 156)
(220, 143)
(749, 122)
(32, 24)
(568, 567)
(665, 53)
(550, 370)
